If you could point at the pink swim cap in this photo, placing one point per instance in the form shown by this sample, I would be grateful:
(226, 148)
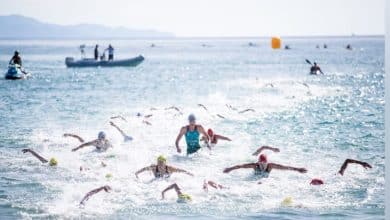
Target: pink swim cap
(316, 182)
(263, 158)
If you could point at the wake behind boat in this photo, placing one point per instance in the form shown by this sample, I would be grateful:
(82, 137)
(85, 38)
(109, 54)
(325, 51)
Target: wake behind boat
(90, 62)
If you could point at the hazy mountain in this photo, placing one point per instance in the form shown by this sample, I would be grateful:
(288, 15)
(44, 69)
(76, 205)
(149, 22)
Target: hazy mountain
(20, 27)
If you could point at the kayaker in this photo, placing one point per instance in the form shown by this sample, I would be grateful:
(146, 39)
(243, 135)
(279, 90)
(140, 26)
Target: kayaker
(96, 52)
(101, 144)
(315, 68)
(214, 138)
(110, 50)
(16, 59)
(262, 167)
(162, 170)
(191, 133)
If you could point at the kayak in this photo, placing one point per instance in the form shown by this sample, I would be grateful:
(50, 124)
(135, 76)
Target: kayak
(15, 72)
(90, 62)
(315, 72)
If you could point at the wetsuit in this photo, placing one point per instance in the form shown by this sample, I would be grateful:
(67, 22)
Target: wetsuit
(158, 174)
(103, 145)
(192, 140)
(262, 169)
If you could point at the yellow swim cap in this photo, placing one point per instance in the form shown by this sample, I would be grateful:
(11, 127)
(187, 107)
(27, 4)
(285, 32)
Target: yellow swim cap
(108, 175)
(287, 201)
(53, 162)
(161, 158)
(185, 197)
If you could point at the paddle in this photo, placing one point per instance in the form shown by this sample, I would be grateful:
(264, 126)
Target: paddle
(308, 61)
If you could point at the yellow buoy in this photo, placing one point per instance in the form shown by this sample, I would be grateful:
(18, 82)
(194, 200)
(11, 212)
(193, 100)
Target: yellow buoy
(276, 42)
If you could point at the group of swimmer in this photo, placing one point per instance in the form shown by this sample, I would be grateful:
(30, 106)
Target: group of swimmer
(192, 131)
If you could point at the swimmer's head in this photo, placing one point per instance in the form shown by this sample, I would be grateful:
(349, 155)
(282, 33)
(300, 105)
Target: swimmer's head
(53, 162)
(184, 198)
(16, 53)
(316, 181)
(107, 188)
(288, 201)
(161, 159)
(315, 64)
(263, 158)
(191, 119)
(138, 114)
(101, 135)
(210, 132)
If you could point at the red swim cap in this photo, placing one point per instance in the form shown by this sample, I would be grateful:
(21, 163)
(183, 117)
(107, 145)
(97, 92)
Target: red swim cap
(316, 182)
(263, 158)
(210, 132)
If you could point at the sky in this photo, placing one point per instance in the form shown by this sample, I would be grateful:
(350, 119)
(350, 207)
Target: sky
(214, 18)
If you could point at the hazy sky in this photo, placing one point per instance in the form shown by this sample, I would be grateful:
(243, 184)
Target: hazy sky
(213, 17)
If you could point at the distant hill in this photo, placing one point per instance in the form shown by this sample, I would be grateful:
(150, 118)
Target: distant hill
(20, 27)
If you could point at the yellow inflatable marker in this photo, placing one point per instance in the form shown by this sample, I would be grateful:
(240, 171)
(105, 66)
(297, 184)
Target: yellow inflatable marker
(276, 42)
(288, 201)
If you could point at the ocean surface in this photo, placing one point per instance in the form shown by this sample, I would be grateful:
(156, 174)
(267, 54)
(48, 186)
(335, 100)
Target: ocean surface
(316, 122)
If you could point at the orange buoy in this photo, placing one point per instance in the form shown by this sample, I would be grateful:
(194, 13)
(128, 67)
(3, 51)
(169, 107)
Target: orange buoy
(276, 42)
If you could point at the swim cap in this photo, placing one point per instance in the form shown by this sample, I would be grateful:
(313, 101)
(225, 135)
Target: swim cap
(210, 132)
(287, 201)
(101, 135)
(108, 175)
(53, 162)
(316, 182)
(191, 118)
(185, 197)
(263, 158)
(162, 159)
(16, 52)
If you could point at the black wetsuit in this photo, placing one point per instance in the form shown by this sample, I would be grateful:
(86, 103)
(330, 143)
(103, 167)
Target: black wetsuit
(158, 174)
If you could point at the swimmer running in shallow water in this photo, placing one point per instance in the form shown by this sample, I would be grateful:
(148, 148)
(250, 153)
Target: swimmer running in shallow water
(126, 137)
(213, 138)
(52, 161)
(317, 181)
(101, 143)
(262, 167)
(162, 170)
(106, 188)
(191, 133)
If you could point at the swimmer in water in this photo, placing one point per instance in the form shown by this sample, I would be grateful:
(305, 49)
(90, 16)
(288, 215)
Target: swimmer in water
(106, 188)
(317, 181)
(162, 170)
(181, 197)
(258, 151)
(74, 136)
(125, 136)
(262, 167)
(213, 138)
(191, 133)
(101, 144)
(52, 161)
(207, 183)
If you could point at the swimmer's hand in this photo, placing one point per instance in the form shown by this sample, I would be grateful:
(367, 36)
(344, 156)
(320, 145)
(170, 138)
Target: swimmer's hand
(366, 165)
(302, 170)
(227, 170)
(178, 149)
(162, 196)
(26, 150)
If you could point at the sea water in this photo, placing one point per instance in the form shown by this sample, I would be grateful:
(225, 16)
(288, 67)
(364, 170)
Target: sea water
(316, 121)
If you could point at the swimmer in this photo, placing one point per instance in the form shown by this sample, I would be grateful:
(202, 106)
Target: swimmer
(258, 151)
(175, 108)
(101, 144)
(93, 192)
(263, 167)
(213, 138)
(191, 133)
(125, 136)
(52, 162)
(220, 116)
(162, 170)
(74, 136)
(207, 183)
(317, 181)
(246, 110)
(181, 197)
(119, 116)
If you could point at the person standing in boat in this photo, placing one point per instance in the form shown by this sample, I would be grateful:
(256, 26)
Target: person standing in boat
(96, 52)
(16, 59)
(110, 52)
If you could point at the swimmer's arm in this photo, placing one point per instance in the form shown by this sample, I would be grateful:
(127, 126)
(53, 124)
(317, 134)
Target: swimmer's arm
(215, 185)
(84, 145)
(283, 167)
(202, 131)
(119, 116)
(143, 170)
(220, 137)
(348, 161)
(74, 136)
(181, 133)
(173, 186)
(91, 193)
(248, 165)
(115, 126)
(258, 151)
(177, 170)
(43, 160)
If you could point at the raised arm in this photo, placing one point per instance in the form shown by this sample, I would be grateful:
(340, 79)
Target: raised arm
(283, 167)
(91, 193)
(115, 126)
(177, 170)
(248, 165)
(179, 136)
(348, 161)
(74, 136)
(119, 116)
(84, 145)
(173, 186)
(258, 151)
(220, 137)
(43, 160)
(143, 170)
